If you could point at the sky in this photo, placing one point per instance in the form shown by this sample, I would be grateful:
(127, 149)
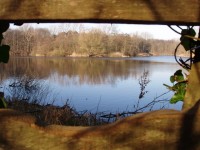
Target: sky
(155, 31)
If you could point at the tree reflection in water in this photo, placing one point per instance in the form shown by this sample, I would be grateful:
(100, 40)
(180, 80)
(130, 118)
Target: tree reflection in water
(84, 80)
(25, 93)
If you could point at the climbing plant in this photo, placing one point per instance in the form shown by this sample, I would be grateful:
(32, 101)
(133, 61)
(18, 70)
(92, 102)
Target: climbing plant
(4, 49)
(178, 79)
(179, 86)
(4, 56)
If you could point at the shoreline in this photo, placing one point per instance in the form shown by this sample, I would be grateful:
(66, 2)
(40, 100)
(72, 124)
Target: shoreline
(98, 56)
(101, 55)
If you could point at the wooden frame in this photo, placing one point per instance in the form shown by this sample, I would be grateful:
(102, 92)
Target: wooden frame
(179, 12)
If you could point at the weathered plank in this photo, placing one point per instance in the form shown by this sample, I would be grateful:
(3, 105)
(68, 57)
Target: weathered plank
(121, 11)
(164, 129)
(193, 89)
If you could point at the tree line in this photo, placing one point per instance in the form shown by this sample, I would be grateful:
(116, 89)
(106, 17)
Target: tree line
(29, 41)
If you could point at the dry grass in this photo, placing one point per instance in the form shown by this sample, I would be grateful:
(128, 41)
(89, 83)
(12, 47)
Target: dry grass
(51, 114)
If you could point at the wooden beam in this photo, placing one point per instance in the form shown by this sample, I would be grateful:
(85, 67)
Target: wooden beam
(192, 95)
(163, 129)
(180, 12)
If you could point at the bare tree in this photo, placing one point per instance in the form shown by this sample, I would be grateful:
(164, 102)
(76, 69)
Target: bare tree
(65, 39)
(28, 38)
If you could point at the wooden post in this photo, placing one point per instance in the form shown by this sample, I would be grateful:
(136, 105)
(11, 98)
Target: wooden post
(193, 90)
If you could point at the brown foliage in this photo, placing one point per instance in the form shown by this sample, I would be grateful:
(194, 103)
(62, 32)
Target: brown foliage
(30, 41)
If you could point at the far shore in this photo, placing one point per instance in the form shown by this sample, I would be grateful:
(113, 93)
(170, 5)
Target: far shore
(111, 55)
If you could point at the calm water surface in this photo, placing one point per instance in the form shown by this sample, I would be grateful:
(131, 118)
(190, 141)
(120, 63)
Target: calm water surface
(103, 84)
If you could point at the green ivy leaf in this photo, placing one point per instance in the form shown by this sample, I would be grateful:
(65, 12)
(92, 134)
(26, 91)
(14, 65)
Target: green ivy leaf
(4, 53)
(179, 87)
(178, 73)
(177, 97)
(184, 32)
(178, 76)
(186, 42)
(172, 79)
(191, 32)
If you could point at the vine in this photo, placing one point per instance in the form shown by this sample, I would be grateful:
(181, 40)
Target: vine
(4, 56)
(179, 86)
(178, 79)
(4, 49)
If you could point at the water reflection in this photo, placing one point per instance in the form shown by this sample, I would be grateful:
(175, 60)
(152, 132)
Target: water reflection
(80, 71)
(86, 81)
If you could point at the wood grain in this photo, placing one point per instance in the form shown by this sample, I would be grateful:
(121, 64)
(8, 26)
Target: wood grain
(126, 11)
(164, 129)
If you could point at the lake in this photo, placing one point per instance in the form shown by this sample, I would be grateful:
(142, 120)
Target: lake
(95, 84)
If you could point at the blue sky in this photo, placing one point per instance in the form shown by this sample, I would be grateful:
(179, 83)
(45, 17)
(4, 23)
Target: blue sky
(156, 31)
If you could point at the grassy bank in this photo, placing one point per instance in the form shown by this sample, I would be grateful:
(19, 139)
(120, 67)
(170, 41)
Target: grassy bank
(60, 115)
